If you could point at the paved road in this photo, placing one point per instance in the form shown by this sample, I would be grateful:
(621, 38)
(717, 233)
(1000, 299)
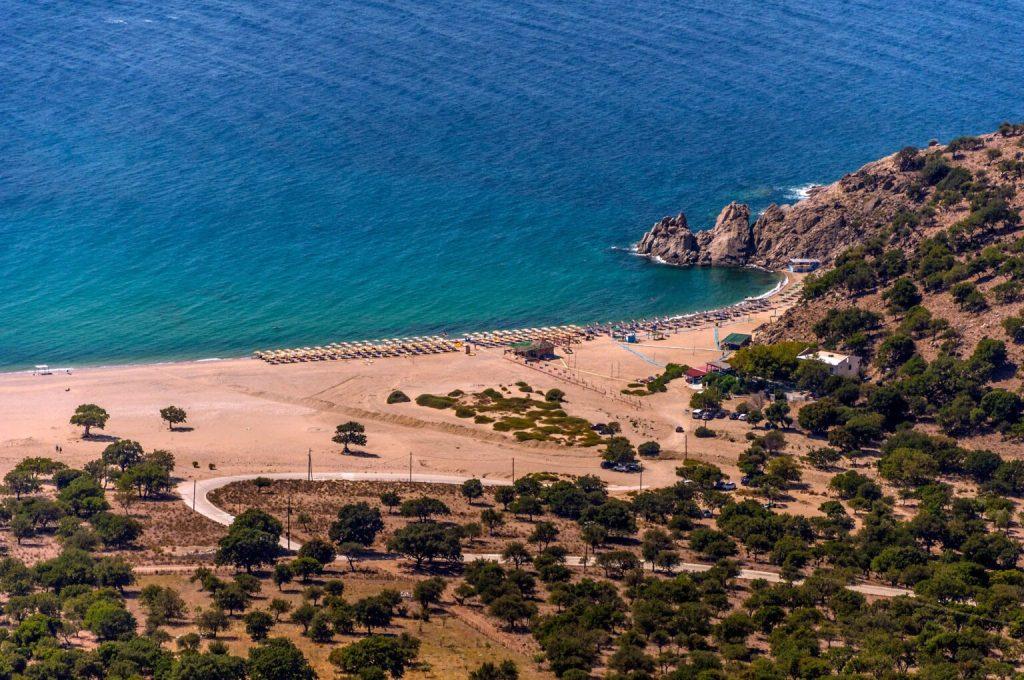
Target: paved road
(201, 504)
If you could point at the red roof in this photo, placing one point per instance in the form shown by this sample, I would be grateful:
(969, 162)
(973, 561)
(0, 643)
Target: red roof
(695, 373)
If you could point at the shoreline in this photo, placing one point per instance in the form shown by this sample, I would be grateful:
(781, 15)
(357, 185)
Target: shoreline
(783, 284)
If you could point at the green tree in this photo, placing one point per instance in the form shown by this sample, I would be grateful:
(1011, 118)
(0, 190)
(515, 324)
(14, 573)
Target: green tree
(423, 508)
(349, 434)
(390, 654)
(173, 416)
(122, 454)
(109, 620)
(278, 659)
(90, 416)
(506, 670)
(649, 449)
(21, 482)
(472, 489)
(426, 542)
(211, 621)
(618, 450)
(356, 523)
(902, 295)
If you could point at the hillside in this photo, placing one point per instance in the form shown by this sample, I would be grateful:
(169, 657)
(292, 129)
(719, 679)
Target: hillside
(902, 198)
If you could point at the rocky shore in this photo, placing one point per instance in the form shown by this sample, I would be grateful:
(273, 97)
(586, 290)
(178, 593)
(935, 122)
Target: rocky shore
(829, 220)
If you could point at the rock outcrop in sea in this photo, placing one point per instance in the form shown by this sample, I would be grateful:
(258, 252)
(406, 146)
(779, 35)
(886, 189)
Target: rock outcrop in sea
(829, 220)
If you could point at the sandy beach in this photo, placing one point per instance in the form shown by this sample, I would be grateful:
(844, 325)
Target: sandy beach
(246, 416)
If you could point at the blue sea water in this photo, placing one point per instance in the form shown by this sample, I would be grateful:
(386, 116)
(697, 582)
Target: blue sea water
(198, 178)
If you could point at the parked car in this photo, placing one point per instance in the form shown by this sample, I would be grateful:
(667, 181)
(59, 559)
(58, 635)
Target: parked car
(720, 414)
(734, 415)
(742, 416)
(745, 480)
(680, 428)
(725, 486)
(698, 413)
(633, 467)
(607, 465)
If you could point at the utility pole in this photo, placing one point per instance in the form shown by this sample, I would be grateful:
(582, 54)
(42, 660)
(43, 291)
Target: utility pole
(288, 532)
(410, 467)
(193, 494)
(641, 476)
(513, 470)
(686, 447)
(309, 465)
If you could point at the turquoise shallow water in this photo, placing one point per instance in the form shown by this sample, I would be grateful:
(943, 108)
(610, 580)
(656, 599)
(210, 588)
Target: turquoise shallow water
(195, 179)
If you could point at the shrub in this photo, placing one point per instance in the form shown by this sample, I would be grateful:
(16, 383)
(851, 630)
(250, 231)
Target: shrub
(397, 397)
(703, 432)
(435, 401)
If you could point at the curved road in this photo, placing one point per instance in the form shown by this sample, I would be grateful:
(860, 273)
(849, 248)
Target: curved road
(201, 504)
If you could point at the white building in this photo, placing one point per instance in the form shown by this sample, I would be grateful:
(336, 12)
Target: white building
(845, 365)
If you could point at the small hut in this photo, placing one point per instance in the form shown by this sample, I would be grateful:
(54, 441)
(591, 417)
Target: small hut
(535, 349)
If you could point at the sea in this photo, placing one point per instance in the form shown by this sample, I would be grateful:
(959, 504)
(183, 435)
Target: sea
(190, 179)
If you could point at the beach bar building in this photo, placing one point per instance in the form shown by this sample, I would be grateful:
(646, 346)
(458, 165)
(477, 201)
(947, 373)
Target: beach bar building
(735, 341)
(535, 349)
(802, 264)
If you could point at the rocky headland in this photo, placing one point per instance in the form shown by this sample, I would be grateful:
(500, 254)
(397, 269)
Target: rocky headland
(829, 220)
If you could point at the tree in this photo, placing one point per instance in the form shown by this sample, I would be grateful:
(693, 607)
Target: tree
(21, 482)
(109, 620)
(778, 413)
(122, 454)
(390, 499)
(390, 654)
(356, 523)
(908, 467)
(426, 542)
(823, 458)
(527, 505)
(90, 416)
(304, 567)
(349, 434)
(209, 666)
(211, 621)
(116, 531)
(252, 540)
(428, 592)
(649, 449)
(544, 533)
(373, 612)
(319, 550)
(512, 609)
(492, 519)
(504, 495)
(894, 351)
(712, 544)
(618, 450)
(472, 489)
(818, 416)
(423, 508)
(902, 295)
(173, 415)
(506, 670)
(516, 553)
(278, 659)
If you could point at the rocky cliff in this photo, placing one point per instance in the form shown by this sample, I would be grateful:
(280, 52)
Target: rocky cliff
(831, 219)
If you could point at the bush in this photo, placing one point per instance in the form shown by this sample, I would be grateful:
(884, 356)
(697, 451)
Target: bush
(703, 432)
(435, 401)
(649, 449)
(397, 397)
(1014, 326)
